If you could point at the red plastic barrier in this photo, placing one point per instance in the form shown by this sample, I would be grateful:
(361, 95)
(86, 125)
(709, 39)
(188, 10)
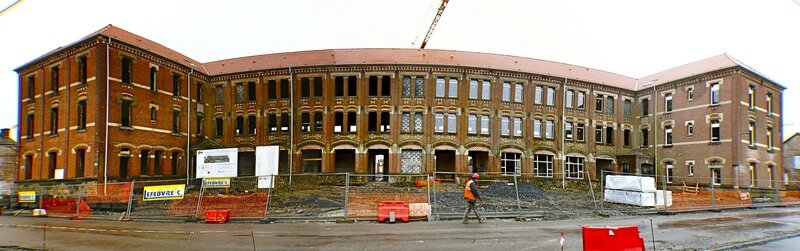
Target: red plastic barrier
(218, 216)
(612, 238)
(65, 206)
(399, 208)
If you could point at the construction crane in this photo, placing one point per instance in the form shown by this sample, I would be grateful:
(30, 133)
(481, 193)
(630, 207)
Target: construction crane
(433, 24)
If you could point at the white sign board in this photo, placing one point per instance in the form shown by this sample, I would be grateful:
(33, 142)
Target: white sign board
(266, 165)
(59, 174)
(217, 163)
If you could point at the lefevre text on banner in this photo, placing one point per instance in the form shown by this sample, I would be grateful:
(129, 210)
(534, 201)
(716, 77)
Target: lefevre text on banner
(165, 192)
(216, 182)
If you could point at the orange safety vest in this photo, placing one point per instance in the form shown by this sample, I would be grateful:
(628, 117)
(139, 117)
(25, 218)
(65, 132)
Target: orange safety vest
(468, 192)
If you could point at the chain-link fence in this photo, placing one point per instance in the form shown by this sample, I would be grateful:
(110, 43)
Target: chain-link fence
(357, 196)
(695, 193)
(363, 196)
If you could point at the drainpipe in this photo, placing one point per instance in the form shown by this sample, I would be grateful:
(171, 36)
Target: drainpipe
(563, 126)
(105, 154)
(188, 120)
(291, 125)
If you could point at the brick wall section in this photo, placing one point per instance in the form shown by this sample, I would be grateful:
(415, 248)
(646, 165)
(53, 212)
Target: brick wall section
(156, 135)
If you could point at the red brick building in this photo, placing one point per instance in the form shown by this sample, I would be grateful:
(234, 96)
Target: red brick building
(389, 111)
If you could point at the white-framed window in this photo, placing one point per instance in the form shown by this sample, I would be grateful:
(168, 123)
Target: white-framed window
(451, 123)
(753, 177)
(689, 128)
(452, 88)
(670, 173)
(714, 93)
(537, 128)
(473, 89)
(715, 131)
(769, 103)
(486, 90)
(751, 95)
(510, 163)
(598, 134)
(752, 133)
(581, 100)
(549, 130)
(440, 86)
(598, 103)
(668, 135)
(770, 146)
(796, 162)
(484, 124)
(504, 127)
(438, 120)
(579, 132)
(574, 167)
(690, 168)
(668, 102)
(538, 95)
(568, 130)
(568, 103)
(690, 93)
(517, 127)
(551, 96)
(472, 124)
(518, 92)
(543, 165)
(506, 91)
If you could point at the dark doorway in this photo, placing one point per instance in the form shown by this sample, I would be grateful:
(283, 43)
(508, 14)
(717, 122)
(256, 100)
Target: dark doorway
(247, 164)
(345, 160)
(283, 161)
(312, 161)
(478, 161)
(123, 166)
(378, 164)
(445, 161)
(604, 167)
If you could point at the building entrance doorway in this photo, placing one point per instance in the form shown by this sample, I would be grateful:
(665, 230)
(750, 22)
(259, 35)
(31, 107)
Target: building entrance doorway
(344, 160)
(445, 161)
(604, 167)
(378, 164)
(478, 161)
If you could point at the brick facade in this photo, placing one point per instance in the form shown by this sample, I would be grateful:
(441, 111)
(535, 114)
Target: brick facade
(385, 82)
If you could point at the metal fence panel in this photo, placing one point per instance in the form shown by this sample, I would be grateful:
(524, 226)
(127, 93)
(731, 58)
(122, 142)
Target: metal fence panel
(364, 196)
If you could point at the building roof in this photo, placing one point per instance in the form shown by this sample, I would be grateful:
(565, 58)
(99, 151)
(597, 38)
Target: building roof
(793, 137)
(417, 56)
(116, 33)
(714, 63)
(400, 56)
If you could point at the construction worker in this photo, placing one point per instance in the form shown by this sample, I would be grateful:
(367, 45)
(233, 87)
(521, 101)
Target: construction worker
(471, 195)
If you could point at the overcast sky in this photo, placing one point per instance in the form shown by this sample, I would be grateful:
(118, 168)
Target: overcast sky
(629, 37)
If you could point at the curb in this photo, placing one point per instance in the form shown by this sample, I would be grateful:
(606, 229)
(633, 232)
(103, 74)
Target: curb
(756, 242)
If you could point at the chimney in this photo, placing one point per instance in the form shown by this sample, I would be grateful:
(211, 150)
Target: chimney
(4, 133)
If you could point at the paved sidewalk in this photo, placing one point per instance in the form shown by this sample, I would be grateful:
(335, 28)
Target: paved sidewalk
(672, 232)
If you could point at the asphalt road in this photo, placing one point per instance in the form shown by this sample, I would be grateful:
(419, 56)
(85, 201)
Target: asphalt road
(741, 228)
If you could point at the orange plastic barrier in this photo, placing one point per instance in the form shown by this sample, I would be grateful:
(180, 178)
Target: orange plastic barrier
(612, 238)
(64, 206)
(399, 208)
(218, 216)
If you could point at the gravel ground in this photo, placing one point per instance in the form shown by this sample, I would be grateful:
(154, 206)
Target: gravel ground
(500, 197)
